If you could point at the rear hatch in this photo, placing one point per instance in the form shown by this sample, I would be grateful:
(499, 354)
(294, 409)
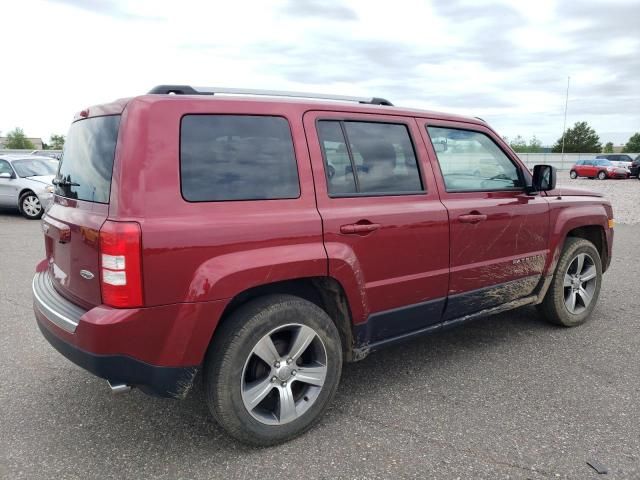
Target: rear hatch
(80, 207)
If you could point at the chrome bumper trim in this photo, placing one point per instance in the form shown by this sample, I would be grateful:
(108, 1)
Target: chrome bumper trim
(57, 309)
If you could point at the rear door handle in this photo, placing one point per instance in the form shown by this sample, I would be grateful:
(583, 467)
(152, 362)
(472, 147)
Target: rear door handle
(472, 218)
(359, 228)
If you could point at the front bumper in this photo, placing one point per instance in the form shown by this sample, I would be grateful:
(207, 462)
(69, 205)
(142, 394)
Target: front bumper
(157, 349)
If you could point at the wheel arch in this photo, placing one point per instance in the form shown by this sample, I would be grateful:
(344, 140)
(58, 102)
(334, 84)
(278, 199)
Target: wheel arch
(325, 292)
(596, 235)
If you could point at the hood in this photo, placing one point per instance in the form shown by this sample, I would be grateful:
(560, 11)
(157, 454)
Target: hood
(572, 192)
(46, 179)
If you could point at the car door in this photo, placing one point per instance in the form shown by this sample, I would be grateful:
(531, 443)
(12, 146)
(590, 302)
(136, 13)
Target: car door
(499, 233)
(383, 223)
(589, 169)
(8, 186)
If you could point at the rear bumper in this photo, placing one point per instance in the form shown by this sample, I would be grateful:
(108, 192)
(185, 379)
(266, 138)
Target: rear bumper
(157, 349)
(118, 369)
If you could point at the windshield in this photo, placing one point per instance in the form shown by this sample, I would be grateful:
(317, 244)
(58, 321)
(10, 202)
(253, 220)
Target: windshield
(35, 167)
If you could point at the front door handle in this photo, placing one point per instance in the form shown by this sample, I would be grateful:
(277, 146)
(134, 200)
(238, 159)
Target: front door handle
(472, 218)
(359, 228)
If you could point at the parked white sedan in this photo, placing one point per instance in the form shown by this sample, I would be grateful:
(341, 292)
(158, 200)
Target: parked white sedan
(25, 183)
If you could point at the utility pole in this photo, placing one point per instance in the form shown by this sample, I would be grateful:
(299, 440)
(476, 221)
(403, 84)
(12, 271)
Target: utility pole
(564, 128)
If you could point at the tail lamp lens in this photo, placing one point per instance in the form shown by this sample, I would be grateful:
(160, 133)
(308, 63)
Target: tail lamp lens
(120, 264)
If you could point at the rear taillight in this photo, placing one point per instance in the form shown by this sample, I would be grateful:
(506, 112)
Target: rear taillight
(120, 264)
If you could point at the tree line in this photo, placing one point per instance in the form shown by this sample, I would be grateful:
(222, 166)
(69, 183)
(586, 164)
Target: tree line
(581, 138)
(16, 140)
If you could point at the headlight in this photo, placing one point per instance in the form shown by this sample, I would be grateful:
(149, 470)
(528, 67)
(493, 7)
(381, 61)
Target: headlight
(49, 188)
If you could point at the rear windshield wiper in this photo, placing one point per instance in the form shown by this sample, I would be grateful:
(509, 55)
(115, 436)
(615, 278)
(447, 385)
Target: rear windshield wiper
(64, 183)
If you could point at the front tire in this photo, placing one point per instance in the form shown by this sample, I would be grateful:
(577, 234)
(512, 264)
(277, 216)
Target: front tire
(272, 369)
(602, 175)
(575, 286)
(30, 206)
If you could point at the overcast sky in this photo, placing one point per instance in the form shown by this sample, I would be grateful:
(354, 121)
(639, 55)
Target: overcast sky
(505, 61)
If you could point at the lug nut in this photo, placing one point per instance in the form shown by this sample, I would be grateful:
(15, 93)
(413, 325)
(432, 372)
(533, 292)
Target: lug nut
(289, 361)
(284, 384)
(293, 373)
(273, 379)
(277, 364)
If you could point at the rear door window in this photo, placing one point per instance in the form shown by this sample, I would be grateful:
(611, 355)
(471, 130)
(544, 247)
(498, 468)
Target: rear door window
(368, 158)
(237, 157)
(87, 159)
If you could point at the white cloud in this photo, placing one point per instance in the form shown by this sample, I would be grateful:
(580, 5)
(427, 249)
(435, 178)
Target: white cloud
(506, 61)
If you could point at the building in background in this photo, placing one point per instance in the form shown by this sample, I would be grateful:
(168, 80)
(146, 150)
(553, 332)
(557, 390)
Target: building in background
(37, 143)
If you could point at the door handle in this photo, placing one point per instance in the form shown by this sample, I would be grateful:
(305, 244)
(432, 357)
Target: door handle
(472, 218)
(359, 228)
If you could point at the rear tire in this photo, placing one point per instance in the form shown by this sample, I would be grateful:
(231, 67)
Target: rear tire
(573, 174)
(30, 206)
(254, 401)
(576, 283)
(602, 176)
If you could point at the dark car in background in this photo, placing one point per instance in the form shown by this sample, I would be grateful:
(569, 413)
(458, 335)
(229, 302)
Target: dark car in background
(597, 168)
(634, 169)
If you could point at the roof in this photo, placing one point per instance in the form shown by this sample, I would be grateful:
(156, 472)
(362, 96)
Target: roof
(118, 106)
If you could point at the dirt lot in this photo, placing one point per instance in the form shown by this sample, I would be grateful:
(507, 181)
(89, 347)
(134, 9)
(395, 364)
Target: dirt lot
(623, 194)
(504, 397)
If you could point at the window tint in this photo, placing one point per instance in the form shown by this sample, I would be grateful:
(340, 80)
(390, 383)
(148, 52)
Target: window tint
(5, 167)
(381, 154)
(471, 161)
(580, 162)
(603, 162)
(87, 159)
(588, 162)
(237, 157)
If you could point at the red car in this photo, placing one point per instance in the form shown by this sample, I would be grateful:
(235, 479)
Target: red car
(197, 231)
(598, 168)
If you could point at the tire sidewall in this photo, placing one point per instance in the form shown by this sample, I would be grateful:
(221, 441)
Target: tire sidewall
(574, 248)
(602, 175)
(223, 377)
(573, 174)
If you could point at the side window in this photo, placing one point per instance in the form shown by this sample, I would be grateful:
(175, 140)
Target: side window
(237, 157)
(471, 161)
(5, 167)
(588, 162)
(377, 158)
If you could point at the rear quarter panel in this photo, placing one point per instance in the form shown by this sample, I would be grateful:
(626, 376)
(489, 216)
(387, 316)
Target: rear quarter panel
(205, 251)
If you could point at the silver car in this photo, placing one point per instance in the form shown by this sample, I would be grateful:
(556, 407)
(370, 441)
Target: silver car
(25, 183)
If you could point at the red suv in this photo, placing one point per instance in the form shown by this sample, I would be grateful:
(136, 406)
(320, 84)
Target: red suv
(265, 241)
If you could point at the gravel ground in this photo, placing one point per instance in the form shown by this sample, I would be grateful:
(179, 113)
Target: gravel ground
(505, 397)
(623, 194)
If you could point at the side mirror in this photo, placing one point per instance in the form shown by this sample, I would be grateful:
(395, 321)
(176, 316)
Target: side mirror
(6, 175)
(544, 178)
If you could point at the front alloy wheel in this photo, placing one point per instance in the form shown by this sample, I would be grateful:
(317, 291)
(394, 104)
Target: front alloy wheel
(580, 281)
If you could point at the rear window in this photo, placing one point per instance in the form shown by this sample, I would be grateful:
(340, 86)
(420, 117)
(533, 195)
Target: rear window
(87, 160)
(237, 157)
(34, 167)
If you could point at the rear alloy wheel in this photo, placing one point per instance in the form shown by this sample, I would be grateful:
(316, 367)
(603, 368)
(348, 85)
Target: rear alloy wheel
(573, 174)
(575, 286)
(30, 206)
(272, 369)
(602, 175)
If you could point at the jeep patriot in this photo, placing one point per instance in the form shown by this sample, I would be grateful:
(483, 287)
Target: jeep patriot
(264, 238)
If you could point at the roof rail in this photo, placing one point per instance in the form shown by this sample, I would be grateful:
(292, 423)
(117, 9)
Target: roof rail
(188, 90)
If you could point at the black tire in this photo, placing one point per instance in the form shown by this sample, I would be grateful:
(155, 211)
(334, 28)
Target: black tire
(553, 307)
(573, 174)
(30, 206)
(232, 350)
(602, 175)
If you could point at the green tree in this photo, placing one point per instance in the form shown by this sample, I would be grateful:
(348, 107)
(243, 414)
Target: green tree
(56, 142)
(608, 147)
(519, 144)
(579, 139)
(18, 140)
(633, 144)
